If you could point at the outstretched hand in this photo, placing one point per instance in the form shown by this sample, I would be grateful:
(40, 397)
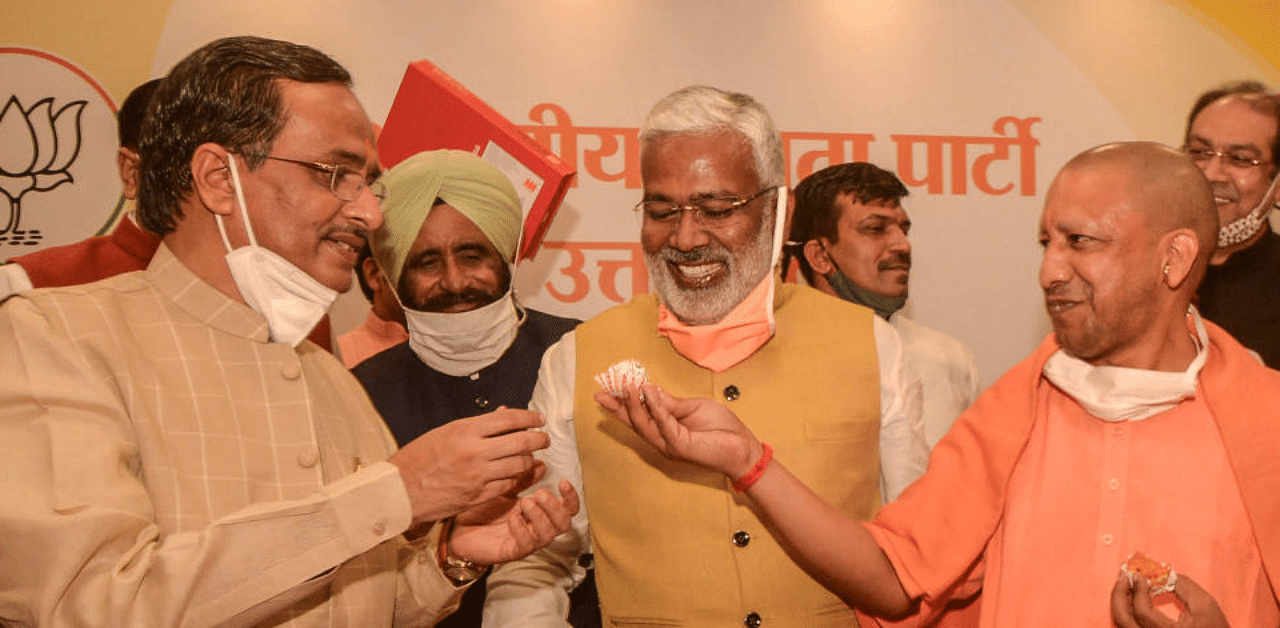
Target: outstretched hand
(467, 462)
(1131, 607)
(507, 527)
(692, 429)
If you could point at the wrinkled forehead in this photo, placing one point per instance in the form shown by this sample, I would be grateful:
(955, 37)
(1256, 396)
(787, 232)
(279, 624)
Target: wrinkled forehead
(848, 204)
(716, 159)
(328, 121)
(1235, 122)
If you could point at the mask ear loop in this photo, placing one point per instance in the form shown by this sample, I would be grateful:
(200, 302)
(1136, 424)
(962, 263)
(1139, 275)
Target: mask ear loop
(779, 225)
(244, 214)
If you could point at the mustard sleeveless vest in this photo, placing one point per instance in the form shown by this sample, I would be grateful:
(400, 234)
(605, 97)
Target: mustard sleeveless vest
(674, 545)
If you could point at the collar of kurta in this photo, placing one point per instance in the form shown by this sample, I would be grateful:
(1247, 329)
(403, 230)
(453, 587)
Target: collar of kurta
(202, 301)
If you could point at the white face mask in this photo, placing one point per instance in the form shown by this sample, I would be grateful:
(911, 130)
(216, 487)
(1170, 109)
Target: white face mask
(291, 300)
(1114, 393)
(1246, 226)
(462, 343)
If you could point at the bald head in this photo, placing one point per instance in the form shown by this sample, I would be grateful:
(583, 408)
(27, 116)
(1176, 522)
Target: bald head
(1127, 230)
(1165, 187)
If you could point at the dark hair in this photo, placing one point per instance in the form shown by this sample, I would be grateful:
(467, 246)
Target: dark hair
(132, 111)
(365, 253)
(817, 215)
(1255, 94)
(226, 93)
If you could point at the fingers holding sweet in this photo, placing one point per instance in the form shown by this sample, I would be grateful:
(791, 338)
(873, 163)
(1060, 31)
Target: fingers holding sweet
(1122, 603)
(1202, 610)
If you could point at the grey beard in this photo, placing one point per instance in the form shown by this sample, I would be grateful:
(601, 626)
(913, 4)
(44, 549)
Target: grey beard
(704, 306)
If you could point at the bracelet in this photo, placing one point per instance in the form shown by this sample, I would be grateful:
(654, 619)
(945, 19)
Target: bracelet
(747, 481)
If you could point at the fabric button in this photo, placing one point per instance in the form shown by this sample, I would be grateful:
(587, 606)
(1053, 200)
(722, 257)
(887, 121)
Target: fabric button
(1113, 484)
(752, 620)
(731, 393)
(741, 538)
(291, 371)
(308, 459)
(379, 528)
(1107, 539)
(1117, 431)
(474, 376)
(482, 402)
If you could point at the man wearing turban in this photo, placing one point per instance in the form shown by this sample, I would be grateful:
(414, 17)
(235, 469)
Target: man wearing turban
(447, 247)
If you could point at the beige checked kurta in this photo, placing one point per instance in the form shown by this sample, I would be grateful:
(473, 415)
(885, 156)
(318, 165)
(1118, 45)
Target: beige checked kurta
(163, 464)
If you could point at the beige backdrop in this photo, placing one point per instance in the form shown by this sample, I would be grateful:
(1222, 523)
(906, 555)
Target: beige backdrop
(979, 101)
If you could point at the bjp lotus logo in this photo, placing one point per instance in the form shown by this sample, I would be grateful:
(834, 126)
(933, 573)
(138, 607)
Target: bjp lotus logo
(37, 146)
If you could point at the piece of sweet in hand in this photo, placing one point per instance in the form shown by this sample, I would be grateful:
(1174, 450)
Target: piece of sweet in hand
(1159, 575)
(621, 374)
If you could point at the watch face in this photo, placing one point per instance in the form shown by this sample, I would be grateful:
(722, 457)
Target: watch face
(461, 574)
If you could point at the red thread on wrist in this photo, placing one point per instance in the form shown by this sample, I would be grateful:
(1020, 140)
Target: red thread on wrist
(747, 481)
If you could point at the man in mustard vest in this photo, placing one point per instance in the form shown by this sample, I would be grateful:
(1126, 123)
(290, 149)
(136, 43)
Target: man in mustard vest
(822, 380)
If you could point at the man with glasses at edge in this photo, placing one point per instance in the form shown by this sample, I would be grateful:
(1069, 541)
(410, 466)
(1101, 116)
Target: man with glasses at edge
(674, 545)
(1232, 135)
(173, 452)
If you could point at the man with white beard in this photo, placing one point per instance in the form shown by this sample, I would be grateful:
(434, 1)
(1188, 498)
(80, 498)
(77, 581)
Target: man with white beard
(822, 378)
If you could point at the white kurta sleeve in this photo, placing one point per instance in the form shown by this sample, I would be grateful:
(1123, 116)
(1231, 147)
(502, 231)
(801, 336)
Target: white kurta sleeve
(903, 451)
(534, 591)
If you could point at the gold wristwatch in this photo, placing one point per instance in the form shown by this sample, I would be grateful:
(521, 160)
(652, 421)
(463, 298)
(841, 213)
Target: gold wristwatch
(459, 571)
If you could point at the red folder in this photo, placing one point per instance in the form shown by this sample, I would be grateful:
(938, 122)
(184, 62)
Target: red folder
(432, 111)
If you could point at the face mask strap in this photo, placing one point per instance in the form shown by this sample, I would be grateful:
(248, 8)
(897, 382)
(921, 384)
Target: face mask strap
(244, 213)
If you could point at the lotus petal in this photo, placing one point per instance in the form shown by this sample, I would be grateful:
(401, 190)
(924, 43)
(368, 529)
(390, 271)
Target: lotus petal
(40, 116)
(17, 140)
(66, 129)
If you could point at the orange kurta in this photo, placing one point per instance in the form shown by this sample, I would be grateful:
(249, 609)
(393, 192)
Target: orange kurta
(1194, 486)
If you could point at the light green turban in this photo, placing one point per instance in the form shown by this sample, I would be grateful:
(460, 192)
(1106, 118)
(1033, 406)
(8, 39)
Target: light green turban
(469, 184)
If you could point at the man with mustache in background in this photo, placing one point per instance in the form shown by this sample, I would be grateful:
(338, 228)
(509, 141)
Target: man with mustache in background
(1232, 134)
(849, 234)
(824, 379)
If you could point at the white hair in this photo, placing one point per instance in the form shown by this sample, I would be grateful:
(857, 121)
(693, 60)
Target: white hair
(699, 109)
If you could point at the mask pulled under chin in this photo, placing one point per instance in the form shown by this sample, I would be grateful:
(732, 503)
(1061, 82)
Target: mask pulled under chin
(845, 288)
(463, 343)
(732, 339)
(740, 333)
(1117, 394)
(291, 300)
(1246, 226)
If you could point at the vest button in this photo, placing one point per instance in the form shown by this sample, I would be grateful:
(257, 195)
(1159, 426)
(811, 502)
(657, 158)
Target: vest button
(741, 538)
(482, 402)
(752, 620)
(731, 393)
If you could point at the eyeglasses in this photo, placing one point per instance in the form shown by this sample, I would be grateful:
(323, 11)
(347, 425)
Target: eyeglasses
(1235, 160)
(707, 211)
(345, 182)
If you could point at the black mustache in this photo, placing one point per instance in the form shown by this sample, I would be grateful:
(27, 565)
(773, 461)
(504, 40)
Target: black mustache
(446, 300)
(898, 259)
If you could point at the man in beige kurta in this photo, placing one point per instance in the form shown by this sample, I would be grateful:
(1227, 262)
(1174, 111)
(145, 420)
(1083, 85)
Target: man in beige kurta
(174, 452)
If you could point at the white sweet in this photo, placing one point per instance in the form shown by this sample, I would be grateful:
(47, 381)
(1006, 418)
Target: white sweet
(621, 374)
